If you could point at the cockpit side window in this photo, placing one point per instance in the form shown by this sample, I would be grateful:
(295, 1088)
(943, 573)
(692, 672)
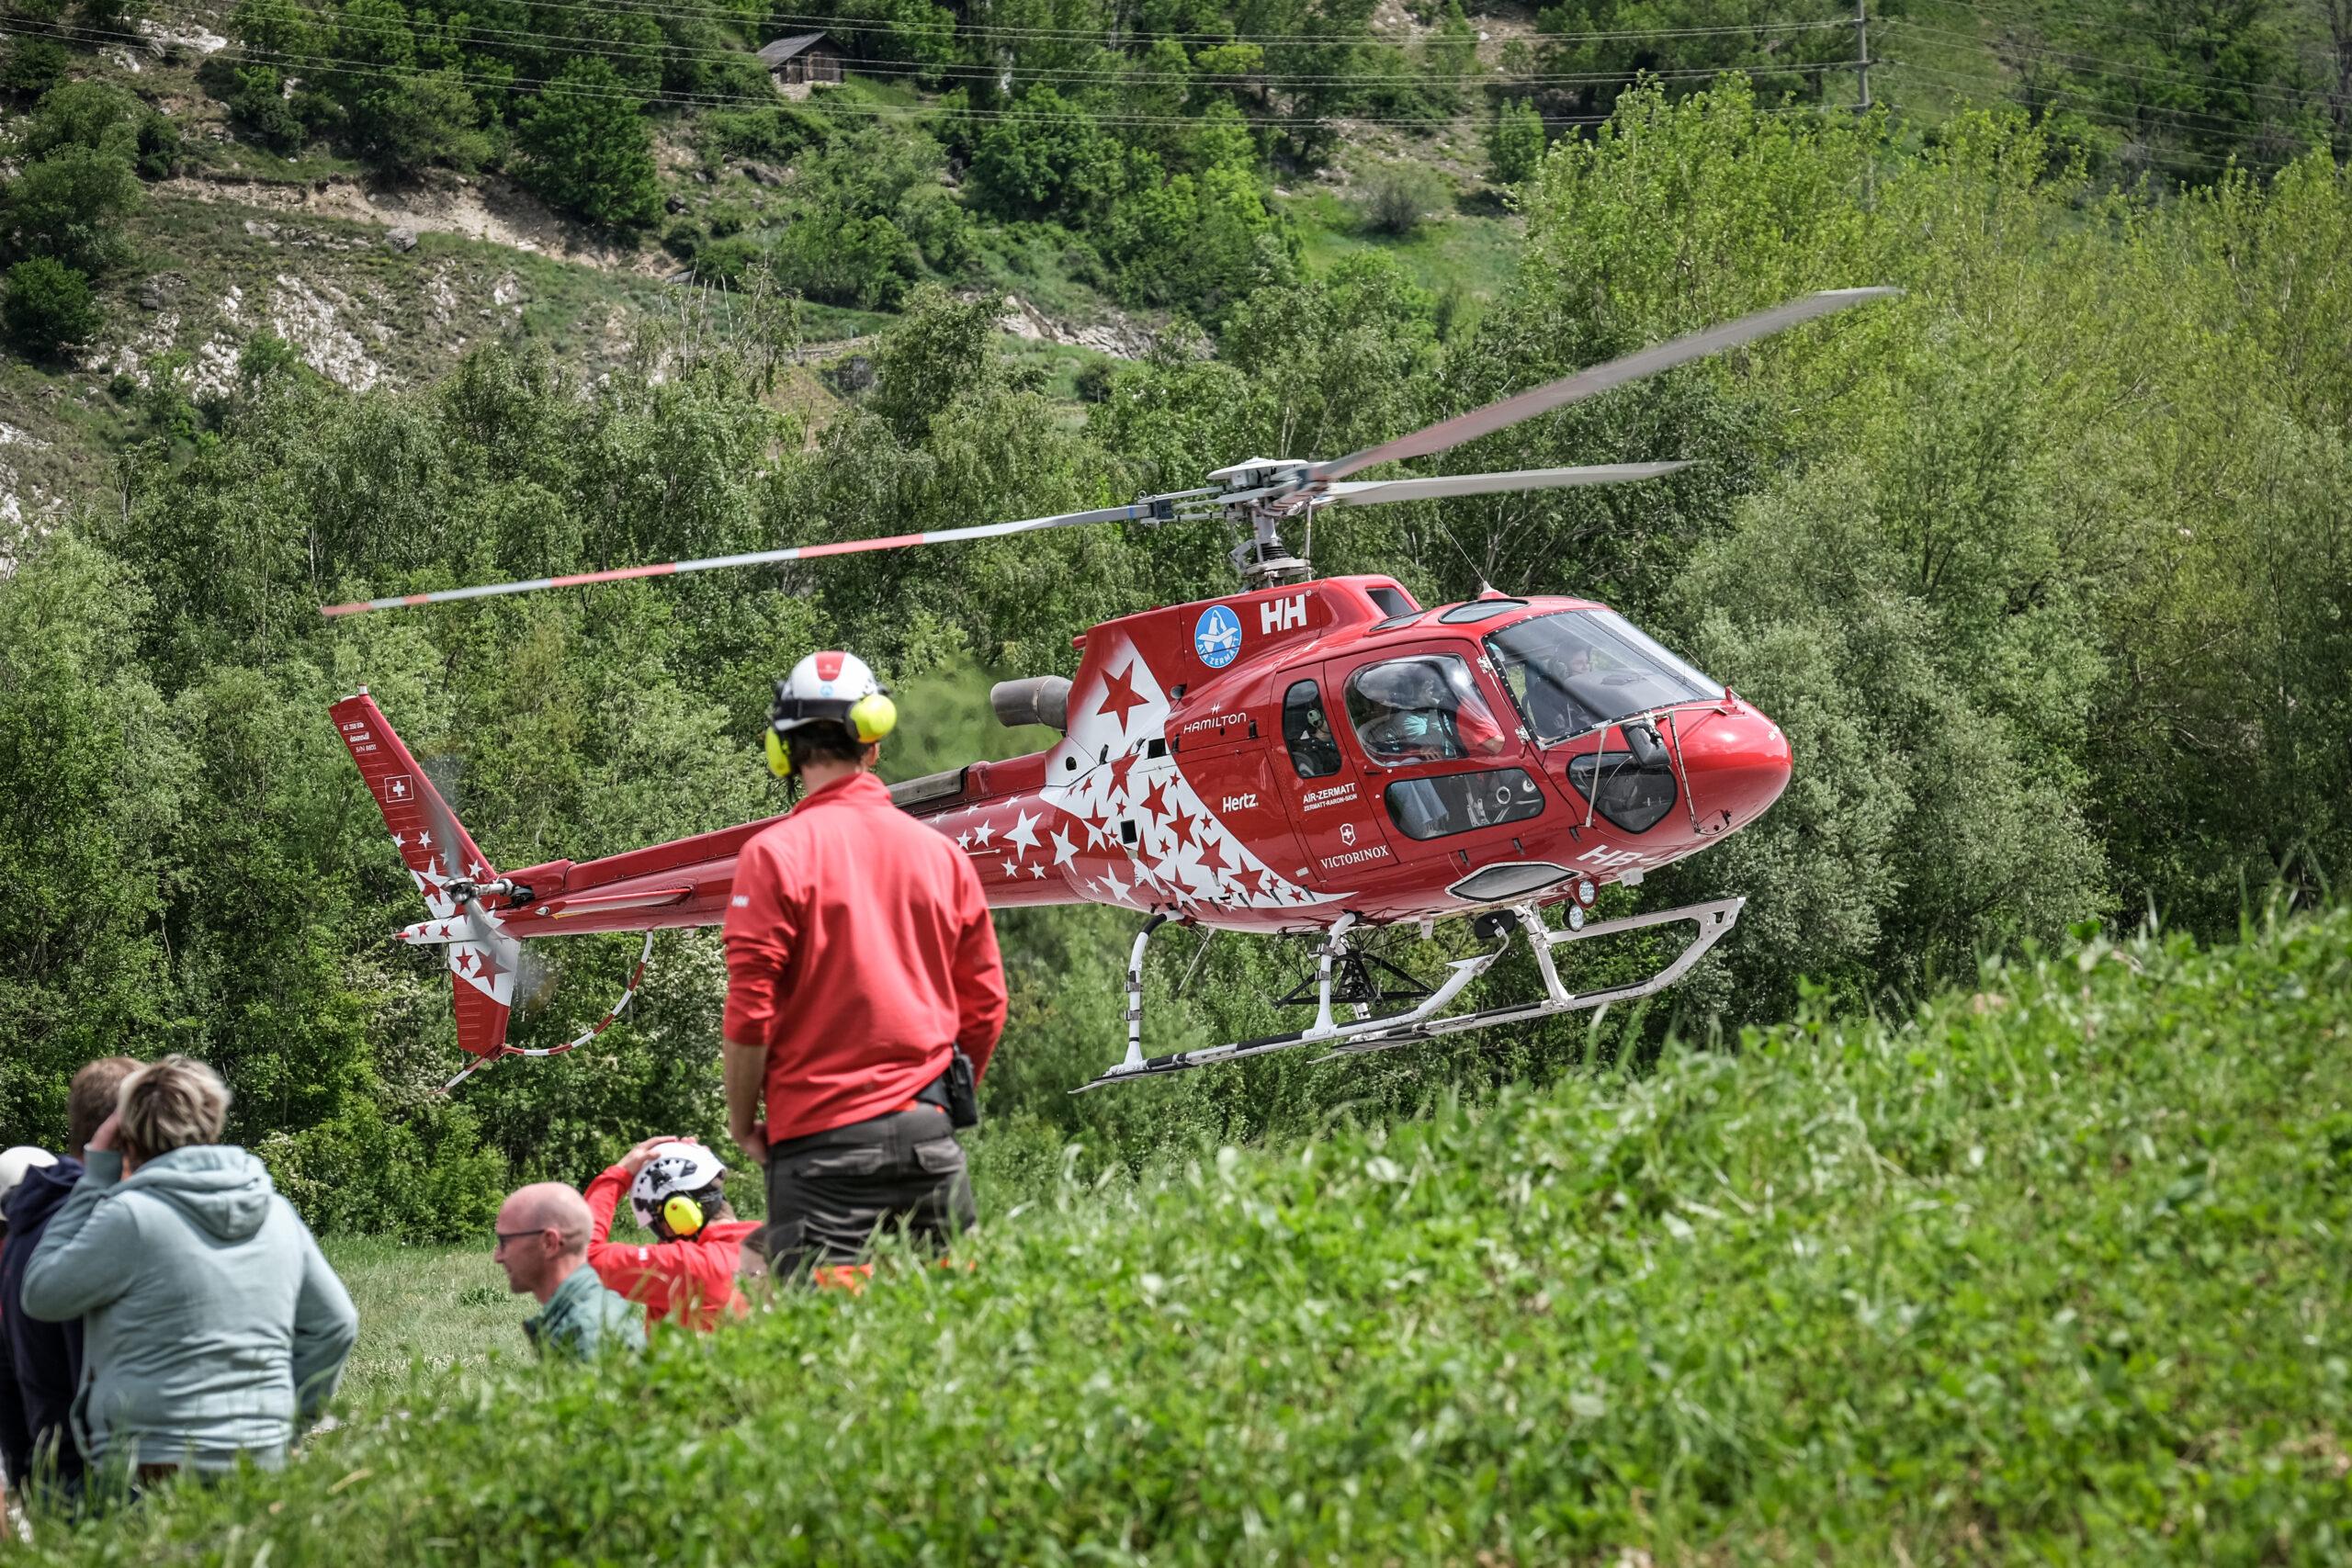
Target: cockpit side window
(1306, 730)
(1423, 708)
(1572, 673)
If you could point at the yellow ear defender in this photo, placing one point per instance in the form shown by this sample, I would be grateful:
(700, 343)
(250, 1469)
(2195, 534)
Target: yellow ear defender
(872, 716)
(681, 1214)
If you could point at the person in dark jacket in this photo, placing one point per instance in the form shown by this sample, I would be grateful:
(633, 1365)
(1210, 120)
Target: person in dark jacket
(46, 1358)
(16, 1437)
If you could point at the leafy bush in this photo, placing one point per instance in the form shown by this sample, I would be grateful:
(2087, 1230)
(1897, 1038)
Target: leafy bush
(259, 106)
(35, 63)
(406, 122)
(730, 261)
(1397, 198)
(1094, 378)
(775, 131)
(158, 148)
(841, 260)
(48, 307)
(358, 1174)
(2040, 1263)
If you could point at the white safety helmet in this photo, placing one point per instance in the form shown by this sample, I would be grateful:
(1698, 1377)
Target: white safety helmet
(828, 688)
(15, 1165)
(667, 1196)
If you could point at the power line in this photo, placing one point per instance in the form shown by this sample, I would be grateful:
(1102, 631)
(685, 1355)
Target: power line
(2113, 67)
(1096, 38)
(721, 100)
(585, 43)
(2139, 122)
(2212, 122)
(623, 49)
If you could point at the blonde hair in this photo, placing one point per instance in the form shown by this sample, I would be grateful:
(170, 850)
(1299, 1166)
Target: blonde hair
(170, 1104)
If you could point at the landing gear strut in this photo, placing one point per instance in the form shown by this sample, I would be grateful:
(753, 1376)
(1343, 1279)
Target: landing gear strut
(1426, 1018)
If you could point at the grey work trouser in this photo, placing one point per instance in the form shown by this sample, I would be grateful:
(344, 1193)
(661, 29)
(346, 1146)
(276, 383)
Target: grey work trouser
(830, 1192)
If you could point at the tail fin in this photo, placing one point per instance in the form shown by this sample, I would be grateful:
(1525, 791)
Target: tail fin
(436, 847)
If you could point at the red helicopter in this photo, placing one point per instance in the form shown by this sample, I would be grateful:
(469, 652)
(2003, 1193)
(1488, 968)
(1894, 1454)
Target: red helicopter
(1304, 758)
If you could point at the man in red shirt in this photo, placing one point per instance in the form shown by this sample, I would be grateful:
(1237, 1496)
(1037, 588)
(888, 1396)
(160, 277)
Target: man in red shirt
(687, 1271)
(860, 958)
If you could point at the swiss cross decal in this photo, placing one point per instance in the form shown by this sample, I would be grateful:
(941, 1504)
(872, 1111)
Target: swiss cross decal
(396, 787)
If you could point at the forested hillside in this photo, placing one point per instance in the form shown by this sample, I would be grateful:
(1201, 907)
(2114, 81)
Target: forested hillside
(2044, 569)
(371, 187)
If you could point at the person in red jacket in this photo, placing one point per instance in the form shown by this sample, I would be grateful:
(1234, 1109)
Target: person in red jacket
(860, 960)
(687, 1272)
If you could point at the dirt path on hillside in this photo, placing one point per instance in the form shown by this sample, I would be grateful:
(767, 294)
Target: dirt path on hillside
(487, 209)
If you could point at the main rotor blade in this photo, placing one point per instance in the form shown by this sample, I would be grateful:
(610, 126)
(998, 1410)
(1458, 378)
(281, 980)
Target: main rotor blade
(1135, 512)
(1462, 427)
(1361, 492)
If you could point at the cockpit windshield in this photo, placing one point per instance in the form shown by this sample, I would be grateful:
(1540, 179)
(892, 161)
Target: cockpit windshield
(1576, 671)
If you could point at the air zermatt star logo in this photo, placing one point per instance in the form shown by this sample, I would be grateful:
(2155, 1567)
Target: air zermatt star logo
(1025, 833)
(1120, 696)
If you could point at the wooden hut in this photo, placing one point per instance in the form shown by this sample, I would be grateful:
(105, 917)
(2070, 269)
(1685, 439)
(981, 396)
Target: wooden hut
(805, 59)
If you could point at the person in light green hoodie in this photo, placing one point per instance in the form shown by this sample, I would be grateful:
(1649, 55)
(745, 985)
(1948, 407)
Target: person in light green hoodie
(212, 1322)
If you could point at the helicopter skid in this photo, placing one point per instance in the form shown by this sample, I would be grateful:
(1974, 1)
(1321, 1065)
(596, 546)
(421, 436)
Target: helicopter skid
(1427, 1019)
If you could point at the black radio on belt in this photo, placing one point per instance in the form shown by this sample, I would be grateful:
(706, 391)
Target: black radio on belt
(956, 1091)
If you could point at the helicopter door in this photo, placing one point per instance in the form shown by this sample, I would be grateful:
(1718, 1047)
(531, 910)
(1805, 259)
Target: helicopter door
(1448, 766)
(1217, 852)
(1339, 821)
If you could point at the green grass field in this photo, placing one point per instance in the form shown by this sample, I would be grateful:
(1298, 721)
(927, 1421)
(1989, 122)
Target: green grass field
(423, 1307)
(2053, 1270)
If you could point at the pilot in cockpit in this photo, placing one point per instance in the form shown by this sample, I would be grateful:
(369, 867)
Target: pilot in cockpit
(1421, 716)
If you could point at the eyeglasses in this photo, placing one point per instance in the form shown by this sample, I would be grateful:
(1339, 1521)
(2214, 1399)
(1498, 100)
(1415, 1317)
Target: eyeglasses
(506, 1237)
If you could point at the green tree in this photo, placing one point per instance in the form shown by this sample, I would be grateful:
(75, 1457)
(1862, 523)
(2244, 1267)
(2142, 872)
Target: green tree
(1449, 62)
(91, 784)
(1515, 142)
(48, 307)
(94, 115)
(1045, 159)
(1601, 47)
(72, 204)
(35, 63)
(587, 148)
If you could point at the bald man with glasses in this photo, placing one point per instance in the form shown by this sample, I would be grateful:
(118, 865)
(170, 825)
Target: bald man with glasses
(543, 1245)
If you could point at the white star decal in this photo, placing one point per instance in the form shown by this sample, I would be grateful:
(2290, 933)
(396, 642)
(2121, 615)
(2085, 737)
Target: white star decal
(1064, 851)
(964, 840)
(1024, 833)
(425, 841)
(1011, 868)
(981, 837)
(399, 839)
(1112, 885)
(1038, 871)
